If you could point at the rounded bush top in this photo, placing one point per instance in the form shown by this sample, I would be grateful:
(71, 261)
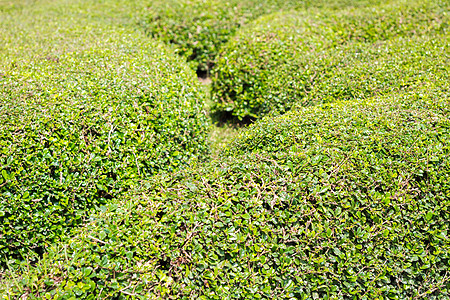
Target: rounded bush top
(279, 59)
(198, 28)
(319, 197)
(84, 115)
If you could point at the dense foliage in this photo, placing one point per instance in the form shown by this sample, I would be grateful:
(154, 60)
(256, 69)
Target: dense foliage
(358, 71)
(198, 28)
(330, 202)
(282, 58)
(82, 116)
(103, 145)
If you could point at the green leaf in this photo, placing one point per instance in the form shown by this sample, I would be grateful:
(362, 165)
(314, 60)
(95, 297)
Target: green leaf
(5, 175)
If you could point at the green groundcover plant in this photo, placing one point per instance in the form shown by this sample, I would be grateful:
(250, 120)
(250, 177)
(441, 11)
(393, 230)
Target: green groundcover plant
(282, 59)
(346, 200)
(198, 28)
(87, 108)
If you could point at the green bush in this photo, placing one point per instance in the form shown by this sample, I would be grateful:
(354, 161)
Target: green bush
(198, 28)
(85, 111)
(347, 200)
(361, 70)
(278, 60)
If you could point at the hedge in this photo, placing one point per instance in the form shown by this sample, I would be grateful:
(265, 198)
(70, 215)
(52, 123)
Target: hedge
(198, 28)
(87, 109)
(361, 70)
(276, 62)
(347, 200)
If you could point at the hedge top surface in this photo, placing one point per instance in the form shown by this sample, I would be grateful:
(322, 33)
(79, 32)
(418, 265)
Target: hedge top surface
(87, 108)
(362, 70)
(336, 201)
(198, 28)
(277, 60)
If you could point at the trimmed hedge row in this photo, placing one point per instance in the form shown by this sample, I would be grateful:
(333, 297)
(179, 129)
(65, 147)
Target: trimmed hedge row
(198, 28)
(84, 114)
(360, 71)
(338, 201)
(283, 58)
